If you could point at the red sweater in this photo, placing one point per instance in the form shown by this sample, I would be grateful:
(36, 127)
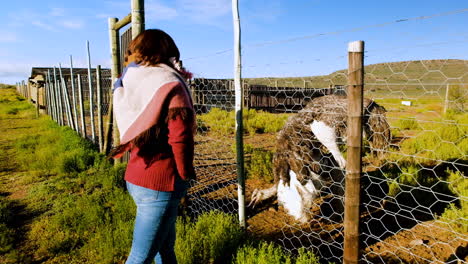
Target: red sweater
(174, 160)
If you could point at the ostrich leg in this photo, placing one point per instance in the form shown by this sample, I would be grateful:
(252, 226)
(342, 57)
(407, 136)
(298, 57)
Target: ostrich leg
(262, 195)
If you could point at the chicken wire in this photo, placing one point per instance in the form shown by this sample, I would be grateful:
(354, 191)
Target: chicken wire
(416, 194)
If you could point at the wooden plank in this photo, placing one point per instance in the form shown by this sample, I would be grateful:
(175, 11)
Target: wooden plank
(121, 23)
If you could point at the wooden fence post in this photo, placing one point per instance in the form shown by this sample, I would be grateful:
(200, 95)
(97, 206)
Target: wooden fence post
(91, 95)
(138, 17)
(112, 132)
(51, 97)
(72, 80)
(66, 99)
(99, 106)
(37, 100)
(354, 145)
(81, 103)
(59, 99)
(446, 102)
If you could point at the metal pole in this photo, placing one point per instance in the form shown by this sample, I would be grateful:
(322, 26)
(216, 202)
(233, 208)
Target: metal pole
(91, 98)
(72, 79)
(81, 103)
(99, 106)
(66, 100)
(238, 109)
(138, 17)
(354, 146)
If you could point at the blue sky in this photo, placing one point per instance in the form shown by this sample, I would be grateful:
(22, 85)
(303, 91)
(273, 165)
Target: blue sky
(44, 33)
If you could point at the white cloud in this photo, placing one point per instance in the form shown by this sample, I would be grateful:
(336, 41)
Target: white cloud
(43, 25)
(47, 21)
(205, 10)
(57, 12)
(199, 11)
(15, 70)
(158, 11)
(8, 37)
(72, 24)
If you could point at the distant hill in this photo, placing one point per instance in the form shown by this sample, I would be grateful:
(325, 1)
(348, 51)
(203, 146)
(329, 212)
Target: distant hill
(416, 74)
(6, 86)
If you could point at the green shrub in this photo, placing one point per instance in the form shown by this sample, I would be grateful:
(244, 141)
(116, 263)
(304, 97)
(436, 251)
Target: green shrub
(261, 165)
(218, 121)
(407, 123)
(269, 253)
(223, 122)
(457, 215)
(263, 122)
(306, 257)
(213, 238)
(437, 142)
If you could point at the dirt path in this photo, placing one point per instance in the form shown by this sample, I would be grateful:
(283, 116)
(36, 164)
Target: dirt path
(14, 186)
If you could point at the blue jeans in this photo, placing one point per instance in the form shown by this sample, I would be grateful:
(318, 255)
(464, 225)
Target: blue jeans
(154, 232)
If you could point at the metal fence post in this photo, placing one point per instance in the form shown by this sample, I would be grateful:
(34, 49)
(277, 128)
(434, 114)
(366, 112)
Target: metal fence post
(238, 110)
(354, 146)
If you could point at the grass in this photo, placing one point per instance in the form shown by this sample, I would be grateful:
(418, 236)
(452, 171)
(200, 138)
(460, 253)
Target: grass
(6, 223)
(82, 212)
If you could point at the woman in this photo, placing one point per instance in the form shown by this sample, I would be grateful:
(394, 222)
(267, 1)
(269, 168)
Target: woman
(155, 117)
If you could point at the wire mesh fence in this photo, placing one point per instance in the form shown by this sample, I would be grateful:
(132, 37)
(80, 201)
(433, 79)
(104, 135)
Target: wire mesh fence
(414, 199)
(416, 195)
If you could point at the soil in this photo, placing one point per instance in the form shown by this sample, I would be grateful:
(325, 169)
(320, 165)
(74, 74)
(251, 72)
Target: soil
(387, 237)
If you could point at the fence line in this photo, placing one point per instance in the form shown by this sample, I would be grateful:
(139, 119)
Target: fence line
(410, 187)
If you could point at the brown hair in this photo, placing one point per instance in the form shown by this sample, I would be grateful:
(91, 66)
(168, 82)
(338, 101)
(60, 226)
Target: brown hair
(152, 47)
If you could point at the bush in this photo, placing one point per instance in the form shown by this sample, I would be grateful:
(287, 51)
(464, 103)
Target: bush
(458, 97)
(407, 123)
(457, 215)
(223, 122)
(438, 142)
(261, 165)
(218, 121)
(213, 238)
(269, 253)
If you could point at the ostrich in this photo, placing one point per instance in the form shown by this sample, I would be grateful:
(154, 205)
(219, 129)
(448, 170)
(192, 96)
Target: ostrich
(308, 161)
